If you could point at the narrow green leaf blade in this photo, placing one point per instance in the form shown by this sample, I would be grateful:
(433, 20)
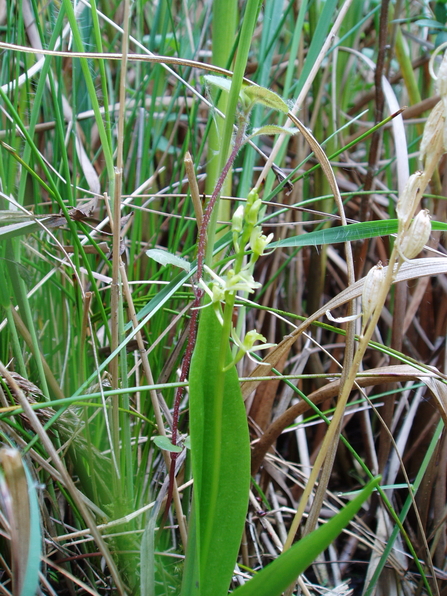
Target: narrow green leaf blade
(276, 577)
(349, 233)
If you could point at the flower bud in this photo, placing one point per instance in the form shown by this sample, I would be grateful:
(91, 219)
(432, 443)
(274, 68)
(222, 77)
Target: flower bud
(371, 289)
(253, 196)
(238, 220)
(417, 236)
(252, 207)
(252, 212)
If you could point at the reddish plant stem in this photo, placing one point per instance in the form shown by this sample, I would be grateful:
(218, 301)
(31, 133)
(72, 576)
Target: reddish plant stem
(198, 292)
(179, 395)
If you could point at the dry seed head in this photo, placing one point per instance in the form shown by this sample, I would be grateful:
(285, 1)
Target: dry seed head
(417, 236)
(434, 139)
(371, 291)
(408, 201)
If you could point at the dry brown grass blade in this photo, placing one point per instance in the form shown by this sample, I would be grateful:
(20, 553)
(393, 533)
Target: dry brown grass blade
(412, 270)
(378, 376)
(18, 514)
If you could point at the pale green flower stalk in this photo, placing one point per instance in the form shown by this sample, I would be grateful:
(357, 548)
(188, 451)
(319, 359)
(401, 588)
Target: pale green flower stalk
(245, 230)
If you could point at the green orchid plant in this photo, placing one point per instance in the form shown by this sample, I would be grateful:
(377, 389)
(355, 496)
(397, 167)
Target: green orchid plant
(219, 434)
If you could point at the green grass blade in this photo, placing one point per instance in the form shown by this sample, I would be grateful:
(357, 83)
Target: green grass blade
(276, 577)
(350, 233)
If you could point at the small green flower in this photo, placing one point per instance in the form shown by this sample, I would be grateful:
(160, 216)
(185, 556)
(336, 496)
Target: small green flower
(241, 282)
(258, 242)
(247, 345)
(231, 282)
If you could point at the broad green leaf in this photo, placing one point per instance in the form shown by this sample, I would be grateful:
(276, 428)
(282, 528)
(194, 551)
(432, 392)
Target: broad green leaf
(165, 444)
(276, 577)
(220, 451)
(166, 258)
(359, 231)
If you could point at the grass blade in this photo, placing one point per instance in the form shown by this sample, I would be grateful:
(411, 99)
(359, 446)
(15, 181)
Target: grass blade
(275, 578)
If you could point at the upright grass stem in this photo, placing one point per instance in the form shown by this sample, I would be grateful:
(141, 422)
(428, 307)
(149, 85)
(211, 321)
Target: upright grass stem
(116, 252)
